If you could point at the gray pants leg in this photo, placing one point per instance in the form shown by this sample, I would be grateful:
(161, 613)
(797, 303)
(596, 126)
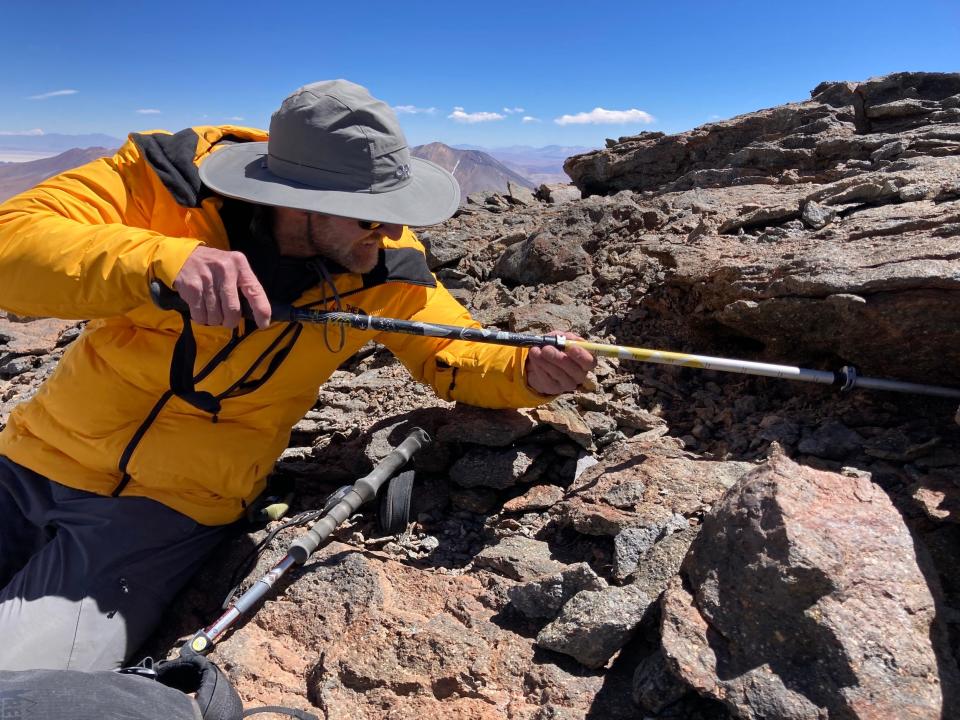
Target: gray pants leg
(84, 579)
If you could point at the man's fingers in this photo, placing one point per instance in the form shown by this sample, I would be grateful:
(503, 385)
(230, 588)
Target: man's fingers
(552, 371)
(543, 375)
(191, 290)
(211, 281)
(254, 293)
(552, 381)
(229, 297)
(584, 359)
(211, 302)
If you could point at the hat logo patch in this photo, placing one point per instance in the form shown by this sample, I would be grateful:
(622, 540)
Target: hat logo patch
(402, 172)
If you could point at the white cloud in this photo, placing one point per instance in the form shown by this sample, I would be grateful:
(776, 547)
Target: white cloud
(55, 93)
(414, 110)
(458, 115)
(35, 131)
(599, 116)
(148, 111)
(530, 119)
(511, 111)
(236, 118)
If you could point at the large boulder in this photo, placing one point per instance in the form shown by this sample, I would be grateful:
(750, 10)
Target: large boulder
(841, 121)
(805, 597)
(543, 258)
(822, 229)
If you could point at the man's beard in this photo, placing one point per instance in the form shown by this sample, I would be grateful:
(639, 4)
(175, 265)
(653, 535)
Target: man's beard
(359, 257)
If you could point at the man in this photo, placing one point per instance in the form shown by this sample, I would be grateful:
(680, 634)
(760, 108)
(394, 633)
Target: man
(123, 471)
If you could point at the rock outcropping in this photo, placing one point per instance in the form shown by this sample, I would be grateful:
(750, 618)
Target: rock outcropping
(667, 542)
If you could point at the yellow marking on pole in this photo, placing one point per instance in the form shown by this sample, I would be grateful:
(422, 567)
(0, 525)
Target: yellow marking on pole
(621, 351)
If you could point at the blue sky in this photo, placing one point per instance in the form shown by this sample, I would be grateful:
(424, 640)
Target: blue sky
(111, 67)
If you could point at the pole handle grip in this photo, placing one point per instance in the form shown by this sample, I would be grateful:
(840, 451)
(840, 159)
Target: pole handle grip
(167, 298)
(364, 490)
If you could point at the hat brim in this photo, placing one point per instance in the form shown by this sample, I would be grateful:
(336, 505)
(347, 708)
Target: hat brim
(240, 171)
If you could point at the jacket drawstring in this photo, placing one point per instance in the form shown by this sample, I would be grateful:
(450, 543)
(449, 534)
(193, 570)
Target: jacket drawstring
(318, 266)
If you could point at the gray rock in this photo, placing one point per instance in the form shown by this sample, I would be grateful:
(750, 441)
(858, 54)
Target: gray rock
(541, 318)
(595, 624)
(453, 279)
(890, 150)
(599, 423)
(445, 249)
(630, 545)
(805, 601)
(543, 598)
(654, 686)
(626, 495)
(663, 561)
(543, 258)
(16, 366)
(816, 216)
(556, 194)
(584, 462)
(481, 426)
(833, 440)
(519, 194)
(69, 335)
(497, 469)
(652, 551)
(519, 558)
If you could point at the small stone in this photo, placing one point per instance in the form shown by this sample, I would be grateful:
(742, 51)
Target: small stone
(16, 366)
(832, 441)
(519, 558)
(544, 597)
(539, 497)
(595, 624)
(817, 216)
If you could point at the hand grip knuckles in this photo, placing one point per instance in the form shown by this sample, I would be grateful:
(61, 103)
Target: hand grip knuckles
(167, 298)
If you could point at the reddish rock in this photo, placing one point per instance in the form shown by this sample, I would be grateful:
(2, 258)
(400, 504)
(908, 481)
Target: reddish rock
(539, 497)
(642, 484)
(802, 597)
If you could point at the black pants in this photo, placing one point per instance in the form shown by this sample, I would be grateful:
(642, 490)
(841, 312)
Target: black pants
(84, 578)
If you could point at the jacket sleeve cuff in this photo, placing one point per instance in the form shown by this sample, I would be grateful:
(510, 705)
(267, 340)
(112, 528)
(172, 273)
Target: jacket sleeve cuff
(170, 257)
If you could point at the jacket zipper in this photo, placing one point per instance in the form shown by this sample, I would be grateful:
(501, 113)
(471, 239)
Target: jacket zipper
(127, 453)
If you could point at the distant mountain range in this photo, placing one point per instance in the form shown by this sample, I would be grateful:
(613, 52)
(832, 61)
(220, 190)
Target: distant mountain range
(16, 177)
(53, 143)
(474, 168)
(538, 164)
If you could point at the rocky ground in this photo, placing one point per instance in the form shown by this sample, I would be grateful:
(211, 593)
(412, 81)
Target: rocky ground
(668, 542)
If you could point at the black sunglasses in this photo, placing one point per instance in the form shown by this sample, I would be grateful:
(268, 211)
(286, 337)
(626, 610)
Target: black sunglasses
(368, 224)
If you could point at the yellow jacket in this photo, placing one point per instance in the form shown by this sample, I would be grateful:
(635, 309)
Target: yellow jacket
(85, 244)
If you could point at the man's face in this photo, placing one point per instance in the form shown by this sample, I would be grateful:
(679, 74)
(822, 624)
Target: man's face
(303, 234)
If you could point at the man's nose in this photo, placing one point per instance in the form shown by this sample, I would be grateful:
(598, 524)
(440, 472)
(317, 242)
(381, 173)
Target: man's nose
(391, 230)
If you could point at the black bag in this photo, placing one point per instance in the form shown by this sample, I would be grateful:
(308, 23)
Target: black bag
(144, 692)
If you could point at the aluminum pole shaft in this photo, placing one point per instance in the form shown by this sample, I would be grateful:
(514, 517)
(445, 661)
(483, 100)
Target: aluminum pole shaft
(847, 379)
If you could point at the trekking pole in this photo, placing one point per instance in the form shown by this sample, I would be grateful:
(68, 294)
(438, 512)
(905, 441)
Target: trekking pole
(846, 378)
(362, 491)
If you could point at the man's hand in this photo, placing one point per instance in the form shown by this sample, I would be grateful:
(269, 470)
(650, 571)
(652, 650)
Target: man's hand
(209, 282)
(551, 371)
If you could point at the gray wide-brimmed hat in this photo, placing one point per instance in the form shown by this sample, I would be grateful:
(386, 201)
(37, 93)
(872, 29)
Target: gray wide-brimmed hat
(335, 149)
